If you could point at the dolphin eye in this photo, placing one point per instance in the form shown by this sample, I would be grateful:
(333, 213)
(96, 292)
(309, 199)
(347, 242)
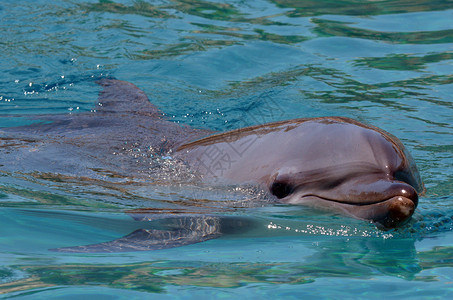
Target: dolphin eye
(281, 189)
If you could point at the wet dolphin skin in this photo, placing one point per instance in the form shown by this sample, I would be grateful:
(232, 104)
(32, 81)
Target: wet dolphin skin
(330, 162)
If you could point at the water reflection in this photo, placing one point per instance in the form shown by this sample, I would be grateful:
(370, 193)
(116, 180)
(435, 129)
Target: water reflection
(195, 57)
(139, 7)
(403, 62)
(335, 28)
(328, 7)
(332, 258)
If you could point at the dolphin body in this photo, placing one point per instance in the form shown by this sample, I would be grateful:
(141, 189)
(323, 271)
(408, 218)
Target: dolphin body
(332, 163)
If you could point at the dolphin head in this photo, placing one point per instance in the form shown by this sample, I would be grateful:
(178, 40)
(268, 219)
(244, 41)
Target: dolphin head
(359, 170)
(330, 162)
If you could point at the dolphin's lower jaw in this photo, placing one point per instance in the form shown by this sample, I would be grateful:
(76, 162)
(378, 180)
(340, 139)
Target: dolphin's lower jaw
(386, 214)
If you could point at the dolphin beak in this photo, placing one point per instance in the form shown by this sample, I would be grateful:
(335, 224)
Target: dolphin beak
(396, 207)
(394, 211)
(389, 213)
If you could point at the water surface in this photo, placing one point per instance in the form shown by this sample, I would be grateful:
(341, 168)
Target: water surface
(223, 65)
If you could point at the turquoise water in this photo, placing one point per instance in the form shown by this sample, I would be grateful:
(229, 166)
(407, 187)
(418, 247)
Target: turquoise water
(224, 65)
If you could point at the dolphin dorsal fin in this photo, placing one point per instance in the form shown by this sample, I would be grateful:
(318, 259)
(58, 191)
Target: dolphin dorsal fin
(119, 96)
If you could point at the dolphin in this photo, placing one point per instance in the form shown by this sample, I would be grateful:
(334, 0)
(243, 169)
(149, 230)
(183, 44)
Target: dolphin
(332, 163)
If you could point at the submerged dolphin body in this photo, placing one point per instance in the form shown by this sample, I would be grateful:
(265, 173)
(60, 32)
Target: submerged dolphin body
(334, 163)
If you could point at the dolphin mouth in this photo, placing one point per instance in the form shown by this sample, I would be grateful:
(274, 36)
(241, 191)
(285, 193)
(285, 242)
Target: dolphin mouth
(386, 213)
(351, 202)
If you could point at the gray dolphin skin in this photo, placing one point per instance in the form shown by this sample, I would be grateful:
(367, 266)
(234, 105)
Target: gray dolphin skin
(332, 163)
